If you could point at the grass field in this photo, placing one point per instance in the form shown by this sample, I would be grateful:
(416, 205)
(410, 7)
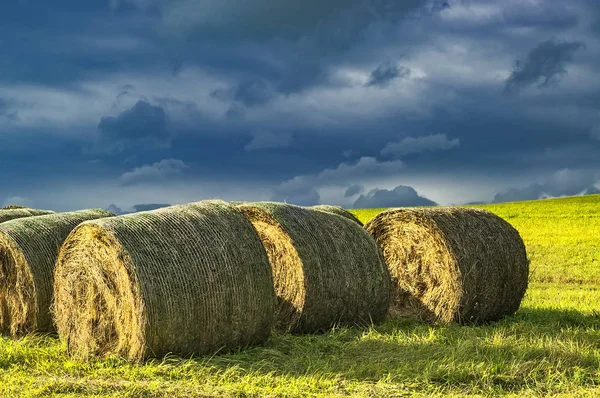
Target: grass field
(551, 346)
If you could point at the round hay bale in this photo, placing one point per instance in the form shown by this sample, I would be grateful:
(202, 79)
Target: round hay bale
(28, 251)
(8, 214)
(452, 264)
(339, 211)
(326, 269)
(186, 279)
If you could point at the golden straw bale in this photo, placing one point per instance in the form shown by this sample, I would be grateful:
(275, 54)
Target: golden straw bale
(326, 269)
(28, 251)
(452, 264)
(187, 279)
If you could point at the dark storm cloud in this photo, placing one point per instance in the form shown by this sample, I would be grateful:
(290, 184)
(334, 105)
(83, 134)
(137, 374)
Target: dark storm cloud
(353, 190)
(143, 124)
(264, 139)
(545, 64)
(555, 15)
(564, 182)
(301, 66)
(385, 73)
(401, 196)
(265, 19)
(428, 143)
(250, 92)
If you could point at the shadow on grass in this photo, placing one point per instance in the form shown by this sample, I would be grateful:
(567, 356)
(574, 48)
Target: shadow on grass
(535, 347)
(542, 349)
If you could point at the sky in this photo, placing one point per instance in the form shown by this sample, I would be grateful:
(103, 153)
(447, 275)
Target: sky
(135, 104)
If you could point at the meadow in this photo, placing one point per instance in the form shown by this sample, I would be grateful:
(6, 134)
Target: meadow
(550, 347)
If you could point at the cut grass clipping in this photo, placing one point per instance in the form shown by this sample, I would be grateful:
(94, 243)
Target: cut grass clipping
(187, 279)
(12, 212)
(337, 210)
(452, 264)
(326, 269)
(28, 251)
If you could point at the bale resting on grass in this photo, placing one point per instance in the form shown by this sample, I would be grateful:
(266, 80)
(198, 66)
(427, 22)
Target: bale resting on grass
(28, 251)
(452, 264)
(187, 279)
(327, 269)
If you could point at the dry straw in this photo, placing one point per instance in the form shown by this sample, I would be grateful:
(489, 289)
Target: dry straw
(13, 212)
(326, 269)
(337, 210)
(28, 251)
(187, 279)
(452, 264)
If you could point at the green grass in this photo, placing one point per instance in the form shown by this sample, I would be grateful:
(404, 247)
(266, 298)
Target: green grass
(551, 346)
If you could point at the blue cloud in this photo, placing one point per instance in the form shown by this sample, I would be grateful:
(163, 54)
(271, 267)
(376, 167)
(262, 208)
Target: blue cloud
(353, 190)
(545, 65)
(154, 172)
(385, 73)
(143, 124)
(564, 182)
(401, 196)
(299, 69)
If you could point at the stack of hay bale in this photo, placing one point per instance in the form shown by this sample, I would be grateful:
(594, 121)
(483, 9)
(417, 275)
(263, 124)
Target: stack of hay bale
(210, 276)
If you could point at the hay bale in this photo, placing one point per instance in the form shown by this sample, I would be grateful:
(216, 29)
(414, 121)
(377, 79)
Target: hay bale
(7, 214)
(452, 264)
(28, 251)
(339, 211)
(187, 279)
(326, 269)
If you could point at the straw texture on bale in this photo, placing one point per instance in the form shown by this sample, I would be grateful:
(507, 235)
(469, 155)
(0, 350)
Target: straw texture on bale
(326, 269)
(28, 252)
(339, 211)
(452, 264)
(187, 279)
(11, 213)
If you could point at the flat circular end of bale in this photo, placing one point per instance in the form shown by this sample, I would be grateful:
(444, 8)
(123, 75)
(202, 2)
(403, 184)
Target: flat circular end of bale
(286, 265)
(17, 292)
(327, 269)
(452, 264)
(188, 280)
(98, 308)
